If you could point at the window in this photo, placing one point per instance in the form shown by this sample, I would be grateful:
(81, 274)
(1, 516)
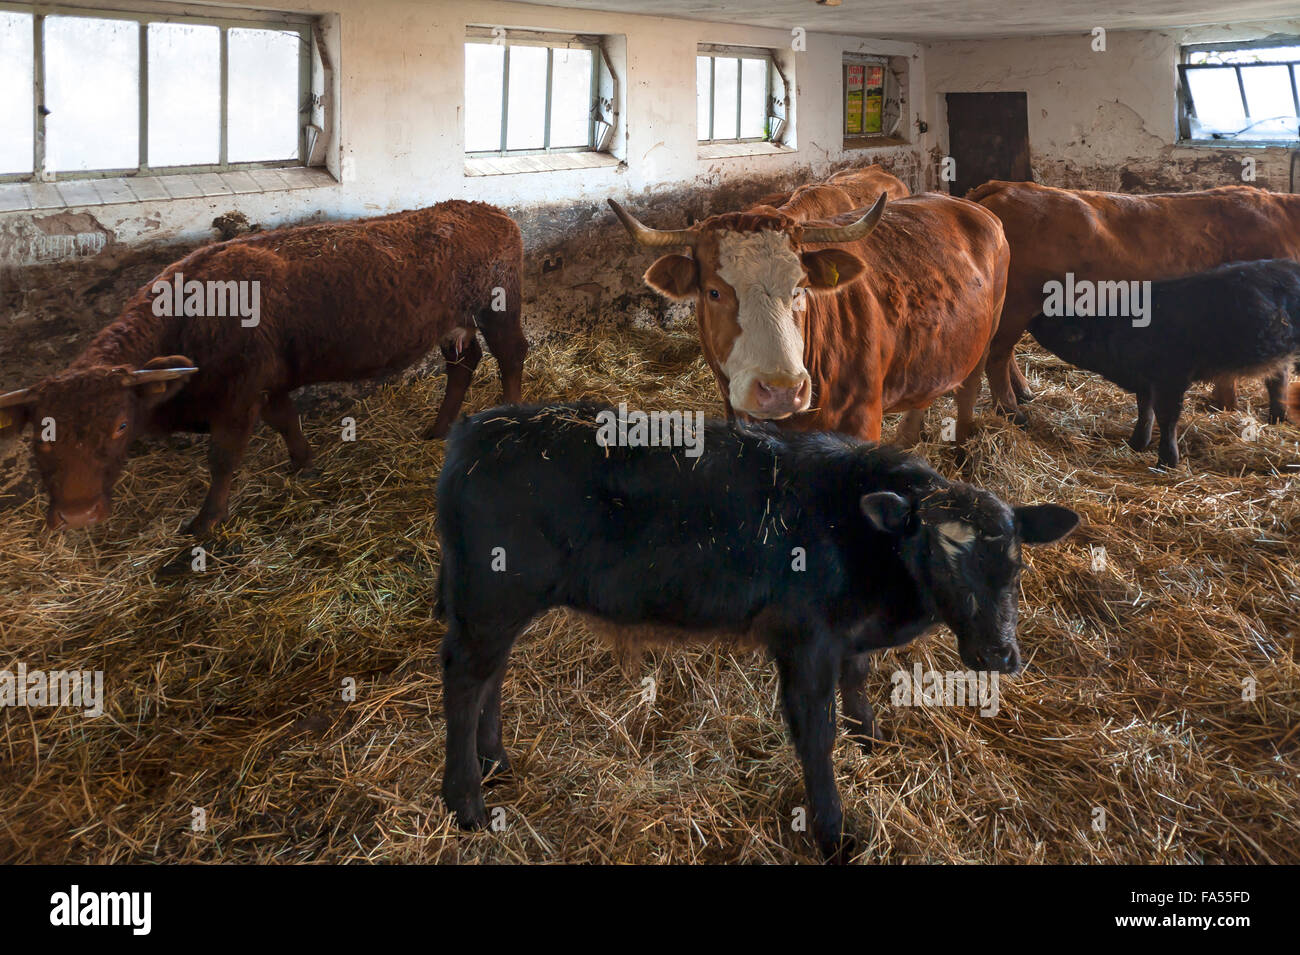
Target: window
(121, 94)
(735, 97)
(535, 93)
(874, 98)
(1242, 94)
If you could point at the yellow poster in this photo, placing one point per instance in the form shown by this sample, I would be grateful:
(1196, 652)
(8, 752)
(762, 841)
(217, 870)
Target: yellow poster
(874, 105)
(853, 84)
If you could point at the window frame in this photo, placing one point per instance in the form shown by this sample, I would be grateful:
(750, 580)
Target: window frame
(1187, 103)
(863, 59)
(551, 42)
(280, 23)
(714, 53)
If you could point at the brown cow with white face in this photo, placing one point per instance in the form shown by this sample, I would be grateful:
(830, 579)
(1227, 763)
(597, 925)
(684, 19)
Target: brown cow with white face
(830, 324)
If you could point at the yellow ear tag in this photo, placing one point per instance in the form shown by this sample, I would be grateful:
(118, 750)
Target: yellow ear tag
(835, 276)
(6, 419)
(157, 387)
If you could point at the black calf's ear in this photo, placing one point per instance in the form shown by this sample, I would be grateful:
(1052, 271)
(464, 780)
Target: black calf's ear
(886, 511)
(1044, 523)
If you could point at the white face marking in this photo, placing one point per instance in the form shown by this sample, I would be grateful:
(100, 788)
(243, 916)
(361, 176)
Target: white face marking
(763, 270)
(955, 536)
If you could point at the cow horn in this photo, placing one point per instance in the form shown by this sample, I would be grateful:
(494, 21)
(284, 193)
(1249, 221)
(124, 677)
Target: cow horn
(654, 237)
(848, 233)
(20, 397)
(147, 375)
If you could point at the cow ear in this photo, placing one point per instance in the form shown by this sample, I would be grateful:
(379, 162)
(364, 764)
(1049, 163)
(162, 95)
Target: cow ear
(160, 378)
(673, 276)
(888, 512)
(831, 268)
(1044, 523)
(13, 419)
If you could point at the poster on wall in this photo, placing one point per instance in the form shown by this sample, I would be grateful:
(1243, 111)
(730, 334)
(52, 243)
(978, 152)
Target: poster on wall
(853, 86)
(873, 109)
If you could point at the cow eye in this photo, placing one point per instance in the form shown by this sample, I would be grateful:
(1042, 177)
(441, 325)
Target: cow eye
(121, 429)
(714, 294)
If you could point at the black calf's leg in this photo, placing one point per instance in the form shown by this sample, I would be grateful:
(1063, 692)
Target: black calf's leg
(1276, 385)
(1168, 409)
(472, 660)
(1141, 438)
(808, 676)
(492, 756)
(859, 720)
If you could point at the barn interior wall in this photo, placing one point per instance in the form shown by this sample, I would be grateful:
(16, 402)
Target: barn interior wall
(1104, 119)
(399, 144)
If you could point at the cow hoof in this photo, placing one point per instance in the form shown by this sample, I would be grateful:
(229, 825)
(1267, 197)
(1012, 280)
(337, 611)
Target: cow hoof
(839, 851)
(435, 432)
(307, 473)
(470, 813)
(1139, 445)
(495, 769)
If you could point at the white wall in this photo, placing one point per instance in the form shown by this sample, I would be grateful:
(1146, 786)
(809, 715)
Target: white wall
(1102, 119)
(400, 76)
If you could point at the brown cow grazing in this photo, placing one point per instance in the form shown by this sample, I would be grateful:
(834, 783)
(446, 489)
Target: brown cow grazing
(1107, 236)
(811, 323)
(337, 302)
(845, 191)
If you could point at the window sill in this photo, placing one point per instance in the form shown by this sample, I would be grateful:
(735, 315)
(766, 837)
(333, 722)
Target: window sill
(76, 193)
(1237, 144)
(873, 142)
(739, 150)
(549, 162)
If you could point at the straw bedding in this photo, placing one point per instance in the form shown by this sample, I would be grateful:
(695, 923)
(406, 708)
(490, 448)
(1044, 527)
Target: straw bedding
(224, 690)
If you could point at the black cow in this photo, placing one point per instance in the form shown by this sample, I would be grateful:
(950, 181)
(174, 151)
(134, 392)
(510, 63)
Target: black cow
(1234, 320)
(820, 546)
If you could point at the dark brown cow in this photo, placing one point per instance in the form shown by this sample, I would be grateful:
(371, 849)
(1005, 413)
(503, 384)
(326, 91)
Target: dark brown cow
(811, 323)
(845, 191)
(1107, 236)
(337, 302)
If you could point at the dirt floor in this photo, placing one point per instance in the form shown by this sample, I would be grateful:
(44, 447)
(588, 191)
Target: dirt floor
(1161, 696)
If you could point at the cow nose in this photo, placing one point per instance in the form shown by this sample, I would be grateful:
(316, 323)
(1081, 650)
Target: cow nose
(77, 517)
(1002, 659)
(781, 396)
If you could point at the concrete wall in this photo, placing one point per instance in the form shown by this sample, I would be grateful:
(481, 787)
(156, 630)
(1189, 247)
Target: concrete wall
(400, 73)
(1103, 120)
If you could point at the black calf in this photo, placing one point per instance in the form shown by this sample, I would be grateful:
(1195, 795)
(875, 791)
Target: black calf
(1239, 319)
(822, 547)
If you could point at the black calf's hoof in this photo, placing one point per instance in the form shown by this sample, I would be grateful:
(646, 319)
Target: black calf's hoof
(470, 814)
(495, 768)
(841, 851)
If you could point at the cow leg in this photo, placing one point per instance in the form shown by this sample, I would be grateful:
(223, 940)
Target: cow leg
(492, 756)
(808, 674)
(859, 719)
(1276, 385)
(1224, 396)
(505, 340)
(967, 394)
(1004, 397)
(460, 372)
(911, 429)
(472, 661)
(1168, 403)
(1141, 438)
(227, 442)
(280, 414)
(1019, 383)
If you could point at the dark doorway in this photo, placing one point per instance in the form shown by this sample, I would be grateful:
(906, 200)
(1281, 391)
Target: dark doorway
(988, 138)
